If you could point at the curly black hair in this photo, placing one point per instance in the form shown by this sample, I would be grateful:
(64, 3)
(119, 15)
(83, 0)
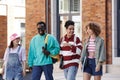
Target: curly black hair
(68, 23)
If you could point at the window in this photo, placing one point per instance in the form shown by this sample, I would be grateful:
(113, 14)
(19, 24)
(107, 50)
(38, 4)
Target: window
(75, 5)
(66, 6)
(22, 25)
(70, 10)
(118, 28)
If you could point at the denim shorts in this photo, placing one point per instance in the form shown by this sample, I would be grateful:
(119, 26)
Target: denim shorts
(90, 67)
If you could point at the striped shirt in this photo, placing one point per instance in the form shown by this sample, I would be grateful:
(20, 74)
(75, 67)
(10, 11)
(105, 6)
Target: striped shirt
(91, 48)
(71, 54)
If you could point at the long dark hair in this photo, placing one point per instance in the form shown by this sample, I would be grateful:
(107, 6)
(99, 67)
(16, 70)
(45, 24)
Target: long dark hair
(11, 44)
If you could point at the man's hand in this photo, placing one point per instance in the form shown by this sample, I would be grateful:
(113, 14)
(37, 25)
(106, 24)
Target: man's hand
(30, 69)
(45, 51)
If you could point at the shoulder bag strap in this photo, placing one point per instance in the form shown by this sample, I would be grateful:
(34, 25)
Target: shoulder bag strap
(46, 40)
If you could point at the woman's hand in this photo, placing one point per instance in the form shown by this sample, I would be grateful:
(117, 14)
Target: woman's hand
(2, 71)
(24, 68)
(24, 73)
(80, 65)
(97, 67)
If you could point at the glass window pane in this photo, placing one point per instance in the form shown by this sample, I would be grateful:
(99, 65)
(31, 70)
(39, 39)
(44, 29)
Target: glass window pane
(78, 28)
(63, 19)
(67, 6)
(75, 6)
(70, 10)
(64, 6)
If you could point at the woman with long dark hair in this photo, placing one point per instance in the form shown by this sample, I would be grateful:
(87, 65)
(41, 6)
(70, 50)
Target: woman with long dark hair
(14, 60)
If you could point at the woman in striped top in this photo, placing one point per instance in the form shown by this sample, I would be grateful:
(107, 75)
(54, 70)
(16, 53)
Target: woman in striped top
(70, 50)
(94, 51)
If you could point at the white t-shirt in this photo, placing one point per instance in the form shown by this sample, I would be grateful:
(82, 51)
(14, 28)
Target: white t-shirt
(21, 53)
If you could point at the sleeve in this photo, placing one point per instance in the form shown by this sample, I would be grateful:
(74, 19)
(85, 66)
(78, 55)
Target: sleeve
(78, 45)
(5, 54)
(23, 54)
(102, 52)
(30, 54)
(53, 45)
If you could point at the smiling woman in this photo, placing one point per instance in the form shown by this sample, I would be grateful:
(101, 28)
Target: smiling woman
(14, 59)
(94, 52)
(70, 51)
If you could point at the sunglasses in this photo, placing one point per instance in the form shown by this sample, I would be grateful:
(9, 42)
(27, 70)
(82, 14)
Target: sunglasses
(41, 29)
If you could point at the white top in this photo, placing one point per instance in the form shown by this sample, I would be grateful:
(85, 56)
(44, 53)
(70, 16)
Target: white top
(22, 53)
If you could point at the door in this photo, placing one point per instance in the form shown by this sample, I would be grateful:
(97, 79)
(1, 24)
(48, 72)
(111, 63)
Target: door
(118, 28)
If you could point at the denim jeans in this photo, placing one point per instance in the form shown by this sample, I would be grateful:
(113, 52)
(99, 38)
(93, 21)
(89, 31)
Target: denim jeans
(47, 69)
(70, 72)
(14, 68)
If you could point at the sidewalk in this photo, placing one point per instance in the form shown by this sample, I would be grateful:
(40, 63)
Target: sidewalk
(59, 75)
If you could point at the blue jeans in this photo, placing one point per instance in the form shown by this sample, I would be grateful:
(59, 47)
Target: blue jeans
(70, 72)
(47, 69)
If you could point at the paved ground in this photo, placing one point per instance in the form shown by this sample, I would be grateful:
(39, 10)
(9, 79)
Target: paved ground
(58, 75)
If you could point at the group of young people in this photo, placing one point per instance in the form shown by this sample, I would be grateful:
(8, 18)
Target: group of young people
(71, 49)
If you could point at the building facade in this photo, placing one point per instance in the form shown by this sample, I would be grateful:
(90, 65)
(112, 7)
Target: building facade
(82, 13)
(12, 20)
(55, 13)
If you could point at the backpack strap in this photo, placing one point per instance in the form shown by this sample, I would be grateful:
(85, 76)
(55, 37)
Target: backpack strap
(46, 40)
